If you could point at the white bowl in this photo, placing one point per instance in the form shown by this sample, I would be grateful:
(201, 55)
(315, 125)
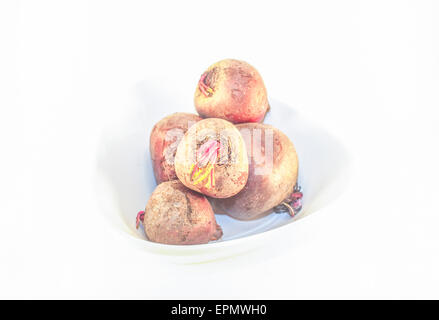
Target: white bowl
(125, 181)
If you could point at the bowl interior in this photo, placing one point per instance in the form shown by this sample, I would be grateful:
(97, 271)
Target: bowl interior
(126, 179)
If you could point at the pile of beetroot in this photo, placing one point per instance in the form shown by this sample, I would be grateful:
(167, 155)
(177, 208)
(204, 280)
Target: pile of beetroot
(224, 160)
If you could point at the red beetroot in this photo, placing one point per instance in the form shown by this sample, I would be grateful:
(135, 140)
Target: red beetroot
(212, 159)
(232, 90)
(177, 215)
(272, 175)
(164, 140)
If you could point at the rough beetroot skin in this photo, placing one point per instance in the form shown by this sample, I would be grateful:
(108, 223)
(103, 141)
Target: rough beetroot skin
(179, 216)
(232, 90)
(269, 182)
(164, 139)
(212, 159)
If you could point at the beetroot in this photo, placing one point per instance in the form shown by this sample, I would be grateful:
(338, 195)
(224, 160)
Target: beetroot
(212, 159)
(164, 139)
(272, 174)
(176, 215)
(232, 90)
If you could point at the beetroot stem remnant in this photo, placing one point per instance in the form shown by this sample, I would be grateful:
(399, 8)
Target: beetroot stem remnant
(293, 204)
(204, 88)
(139, 218)
(205, 167)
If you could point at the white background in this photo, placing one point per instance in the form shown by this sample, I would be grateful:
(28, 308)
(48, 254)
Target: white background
(366, 70)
